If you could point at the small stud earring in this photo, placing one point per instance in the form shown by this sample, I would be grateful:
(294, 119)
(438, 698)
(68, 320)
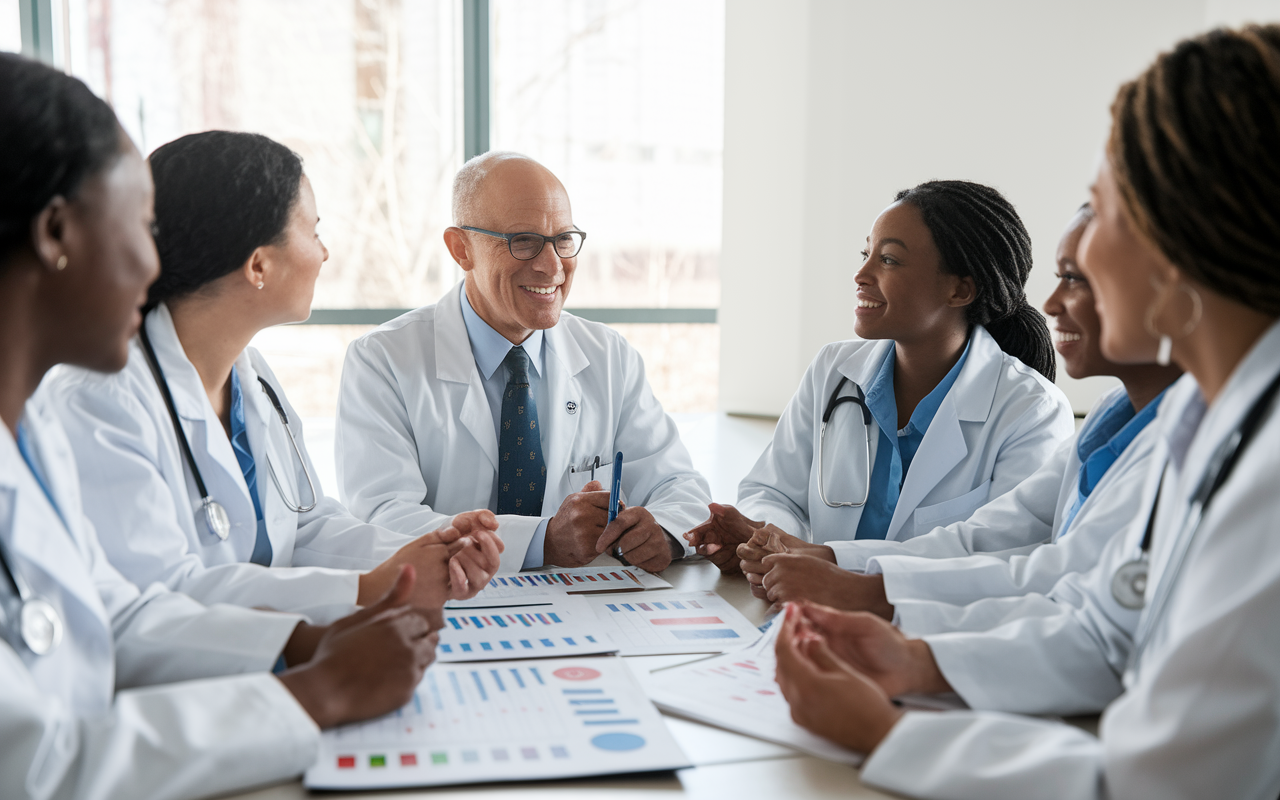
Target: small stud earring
(62, 263)
(261, 284)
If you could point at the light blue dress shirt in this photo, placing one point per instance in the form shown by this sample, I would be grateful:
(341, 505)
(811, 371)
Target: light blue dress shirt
(895, 453)
(1101, 442)
(490, 349)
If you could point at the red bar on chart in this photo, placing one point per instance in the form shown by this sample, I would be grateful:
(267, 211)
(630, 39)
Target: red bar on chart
(346, 762)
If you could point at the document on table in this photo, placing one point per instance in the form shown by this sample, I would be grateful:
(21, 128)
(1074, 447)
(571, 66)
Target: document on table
(670, 622)
(518, 720)
(737, 691)
(513, 589)
(548, 627)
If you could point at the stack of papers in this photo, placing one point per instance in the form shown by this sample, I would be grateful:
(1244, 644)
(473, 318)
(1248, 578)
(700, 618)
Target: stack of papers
(737, 691)
(517, 589)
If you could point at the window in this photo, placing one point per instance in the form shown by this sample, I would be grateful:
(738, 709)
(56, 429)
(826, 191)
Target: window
(623, 100)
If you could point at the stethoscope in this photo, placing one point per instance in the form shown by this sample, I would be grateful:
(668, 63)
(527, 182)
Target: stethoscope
(1129, 583)
(39, 624)
(835, 402)
(215, 516)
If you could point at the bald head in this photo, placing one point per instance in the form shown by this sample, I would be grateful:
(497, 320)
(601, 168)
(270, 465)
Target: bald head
(489, 178)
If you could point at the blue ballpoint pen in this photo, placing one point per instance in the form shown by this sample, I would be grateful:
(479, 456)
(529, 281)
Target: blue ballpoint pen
(615, 493)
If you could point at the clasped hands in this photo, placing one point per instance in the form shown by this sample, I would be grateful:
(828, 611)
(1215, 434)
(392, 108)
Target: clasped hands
(839, 669)
(781, 567)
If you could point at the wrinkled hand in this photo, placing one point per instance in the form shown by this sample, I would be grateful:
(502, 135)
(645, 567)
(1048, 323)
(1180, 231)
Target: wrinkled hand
(573, 532)
(875, 648)
(368, 664)
(642, 540)
(828, 696)
(719, 537)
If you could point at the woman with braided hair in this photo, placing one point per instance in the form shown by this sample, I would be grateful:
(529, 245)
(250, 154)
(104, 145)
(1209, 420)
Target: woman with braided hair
(1183, 256)
(946, 402)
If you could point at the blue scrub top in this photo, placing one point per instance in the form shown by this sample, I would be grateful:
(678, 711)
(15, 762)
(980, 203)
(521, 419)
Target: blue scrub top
(894, 454)
(249, 468)
(1101, 442)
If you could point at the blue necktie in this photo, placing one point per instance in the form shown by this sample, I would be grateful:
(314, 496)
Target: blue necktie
(522, 477)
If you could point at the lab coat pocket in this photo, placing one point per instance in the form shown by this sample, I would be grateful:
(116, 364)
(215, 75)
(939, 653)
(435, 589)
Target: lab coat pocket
(580, 473)
(948, 511)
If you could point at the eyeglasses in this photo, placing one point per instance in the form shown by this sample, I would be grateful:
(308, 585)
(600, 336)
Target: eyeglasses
(527, 246)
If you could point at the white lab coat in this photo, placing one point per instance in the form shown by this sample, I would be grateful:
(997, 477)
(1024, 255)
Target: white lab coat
(998, 424)
(143, 500)
(969, 561)
(70, 724)
(416, 442)
(1200, 713)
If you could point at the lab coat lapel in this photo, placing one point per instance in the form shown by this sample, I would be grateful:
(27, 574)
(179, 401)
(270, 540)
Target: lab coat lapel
(943, 445)
(209, 444)
(39, 535)
(456, 364)
(563, 359)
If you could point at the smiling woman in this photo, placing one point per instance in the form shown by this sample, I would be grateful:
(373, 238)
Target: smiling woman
(959, 350)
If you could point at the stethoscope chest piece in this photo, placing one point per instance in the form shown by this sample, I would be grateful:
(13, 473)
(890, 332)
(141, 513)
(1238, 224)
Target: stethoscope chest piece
(41, 625)
(215, 516)
(1129, 584)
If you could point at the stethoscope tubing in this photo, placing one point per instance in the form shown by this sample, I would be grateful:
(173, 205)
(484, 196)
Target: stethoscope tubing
(1219, 470)
(832, 404)
(189, 456)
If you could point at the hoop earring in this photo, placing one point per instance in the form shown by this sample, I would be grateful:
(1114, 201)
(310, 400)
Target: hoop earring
(261, 284)
(1164, 351)
(62, 263)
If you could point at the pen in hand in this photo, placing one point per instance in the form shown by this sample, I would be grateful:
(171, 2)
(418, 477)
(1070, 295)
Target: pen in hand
(615, 493)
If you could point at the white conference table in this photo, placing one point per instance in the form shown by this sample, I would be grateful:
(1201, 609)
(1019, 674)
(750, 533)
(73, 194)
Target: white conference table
(726, 765)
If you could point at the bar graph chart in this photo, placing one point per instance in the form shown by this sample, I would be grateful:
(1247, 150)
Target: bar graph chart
(670, 622)
(506, 588)
(554, 627)
(517, 720)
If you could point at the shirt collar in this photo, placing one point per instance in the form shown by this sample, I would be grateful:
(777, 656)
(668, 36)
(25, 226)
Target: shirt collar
(881, 399)
(490, 348)
(928, 407)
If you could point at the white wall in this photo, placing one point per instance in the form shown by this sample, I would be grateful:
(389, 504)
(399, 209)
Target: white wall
(831, 106)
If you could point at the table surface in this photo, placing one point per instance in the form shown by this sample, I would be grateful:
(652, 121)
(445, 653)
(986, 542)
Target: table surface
(726, 764)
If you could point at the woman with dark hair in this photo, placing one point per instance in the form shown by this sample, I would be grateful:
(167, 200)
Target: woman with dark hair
(1184, 259)
(947, 400)
(199, 428)
(78, 642)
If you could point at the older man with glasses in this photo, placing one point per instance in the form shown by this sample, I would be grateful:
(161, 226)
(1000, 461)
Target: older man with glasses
(494, 398)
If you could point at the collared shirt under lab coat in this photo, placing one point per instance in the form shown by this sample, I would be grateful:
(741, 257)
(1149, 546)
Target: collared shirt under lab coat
(416, 444)
(65, 730)
(936, 575)
(1200, 713)
(998, 424)
(142, 498)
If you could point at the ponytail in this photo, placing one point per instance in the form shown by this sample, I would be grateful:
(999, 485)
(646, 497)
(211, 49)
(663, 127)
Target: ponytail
(980, 236)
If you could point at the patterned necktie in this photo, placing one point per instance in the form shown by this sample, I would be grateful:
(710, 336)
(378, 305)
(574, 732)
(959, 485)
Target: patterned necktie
(522, 476)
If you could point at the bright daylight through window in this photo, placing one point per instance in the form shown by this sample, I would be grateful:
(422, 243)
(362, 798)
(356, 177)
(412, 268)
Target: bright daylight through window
(622, 99)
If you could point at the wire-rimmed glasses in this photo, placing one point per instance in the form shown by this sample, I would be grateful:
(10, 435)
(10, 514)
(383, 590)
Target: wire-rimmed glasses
(526, 246)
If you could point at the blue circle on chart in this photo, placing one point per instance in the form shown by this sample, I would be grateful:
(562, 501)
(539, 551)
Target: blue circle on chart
(618, 741)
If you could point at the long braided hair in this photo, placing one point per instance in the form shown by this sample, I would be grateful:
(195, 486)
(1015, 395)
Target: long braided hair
(1195, 150)
(980, 236)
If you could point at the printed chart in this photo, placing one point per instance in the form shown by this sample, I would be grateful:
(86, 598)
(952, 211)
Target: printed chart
(518, 720)
(663, 623)
(737, 691)
(514, 589)
(549, 627)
